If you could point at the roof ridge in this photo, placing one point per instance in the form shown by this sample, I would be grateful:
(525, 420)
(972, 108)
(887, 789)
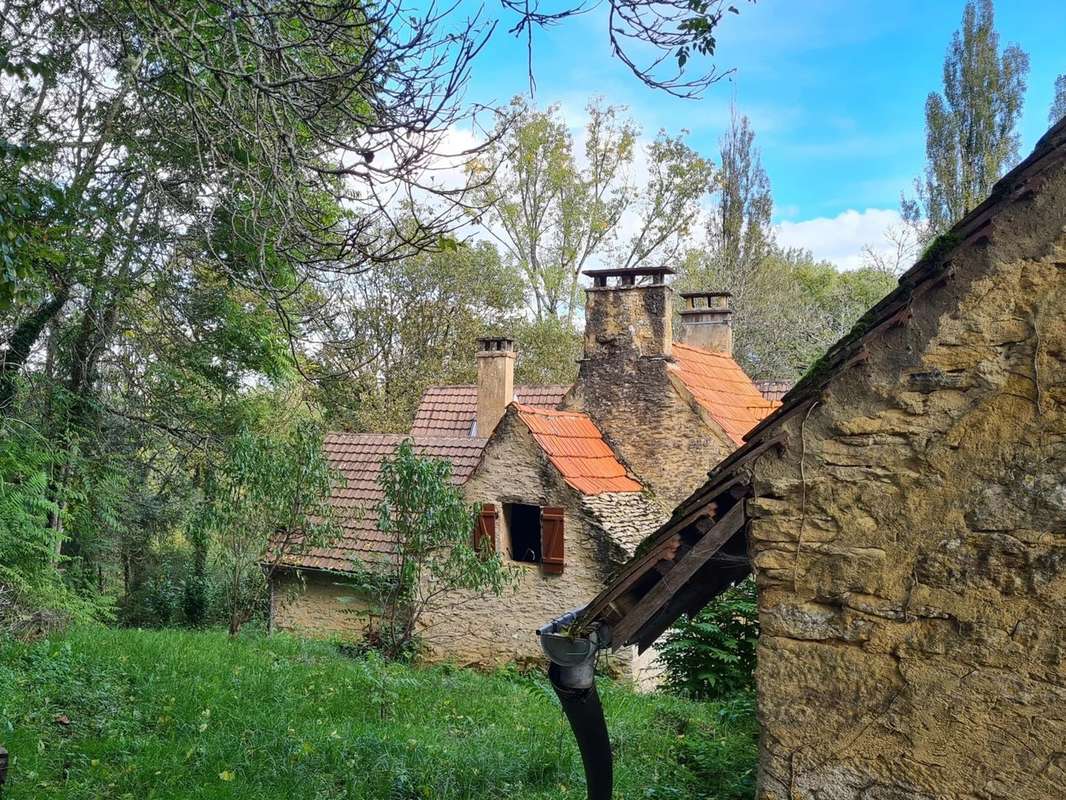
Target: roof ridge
(550, 412)
(1049, 151)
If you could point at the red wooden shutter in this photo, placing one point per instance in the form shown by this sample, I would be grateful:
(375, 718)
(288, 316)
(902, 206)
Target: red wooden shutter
(551, 540)
(485, 529)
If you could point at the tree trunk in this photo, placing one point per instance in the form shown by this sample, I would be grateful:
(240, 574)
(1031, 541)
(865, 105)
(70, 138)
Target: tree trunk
(21, 344)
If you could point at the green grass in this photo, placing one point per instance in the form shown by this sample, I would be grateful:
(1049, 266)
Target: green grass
(173, 714)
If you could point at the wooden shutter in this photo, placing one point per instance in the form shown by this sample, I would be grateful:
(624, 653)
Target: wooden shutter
(551, 540)
(485, 529)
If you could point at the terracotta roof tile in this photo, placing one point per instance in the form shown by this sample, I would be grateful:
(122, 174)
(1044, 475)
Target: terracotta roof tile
(722, 388)
(359, 457)
(450, 410)
(575, 446)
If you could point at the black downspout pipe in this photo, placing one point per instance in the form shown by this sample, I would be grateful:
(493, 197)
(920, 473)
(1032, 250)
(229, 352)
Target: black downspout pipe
(572, 673)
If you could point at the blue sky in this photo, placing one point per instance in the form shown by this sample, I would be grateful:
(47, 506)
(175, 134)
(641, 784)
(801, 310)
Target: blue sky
(835, 90)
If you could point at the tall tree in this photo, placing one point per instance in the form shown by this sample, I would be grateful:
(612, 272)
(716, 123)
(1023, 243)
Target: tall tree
(971, 137)
(740, 235)
(555, 211)
(739, 238)
(1058, 105)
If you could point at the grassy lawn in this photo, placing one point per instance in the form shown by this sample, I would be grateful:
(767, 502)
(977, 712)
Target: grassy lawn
(100, 713)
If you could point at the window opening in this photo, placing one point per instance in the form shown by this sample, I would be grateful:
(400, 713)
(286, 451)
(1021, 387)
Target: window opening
(523, 523)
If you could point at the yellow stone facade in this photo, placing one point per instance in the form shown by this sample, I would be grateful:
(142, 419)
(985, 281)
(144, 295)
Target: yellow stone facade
(910, 545)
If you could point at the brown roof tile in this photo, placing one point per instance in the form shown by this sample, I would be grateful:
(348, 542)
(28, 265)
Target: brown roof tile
(450, 410)
(575, 446)
(359, 457)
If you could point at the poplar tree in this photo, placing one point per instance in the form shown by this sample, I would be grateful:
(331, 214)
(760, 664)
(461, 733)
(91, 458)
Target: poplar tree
(971, 137)
(740, 229)
(1058, 105)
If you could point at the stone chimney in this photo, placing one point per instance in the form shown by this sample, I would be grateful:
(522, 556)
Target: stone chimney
(628, 314)
(707, 321)
(626, 380)
(495, 381)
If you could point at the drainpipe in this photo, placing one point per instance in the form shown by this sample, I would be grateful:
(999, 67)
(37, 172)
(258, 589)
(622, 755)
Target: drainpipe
(572, 673)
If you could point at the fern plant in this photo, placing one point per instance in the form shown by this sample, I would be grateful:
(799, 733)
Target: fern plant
(712, 654)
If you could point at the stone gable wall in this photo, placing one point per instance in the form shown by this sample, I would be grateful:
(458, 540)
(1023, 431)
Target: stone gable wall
(496, 630)
(910, 546)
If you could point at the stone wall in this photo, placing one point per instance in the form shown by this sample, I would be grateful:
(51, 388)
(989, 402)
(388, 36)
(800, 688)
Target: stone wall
(496, 630)
(317, 604)
(624, 385)
(910, 546)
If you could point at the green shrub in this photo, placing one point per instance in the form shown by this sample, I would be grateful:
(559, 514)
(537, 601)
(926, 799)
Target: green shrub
(712, 655)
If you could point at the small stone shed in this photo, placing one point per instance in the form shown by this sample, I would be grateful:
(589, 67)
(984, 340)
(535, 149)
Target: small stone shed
(568, 478)
(904, 513)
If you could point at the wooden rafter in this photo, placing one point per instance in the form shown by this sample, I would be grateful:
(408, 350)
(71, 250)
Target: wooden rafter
(700, 553)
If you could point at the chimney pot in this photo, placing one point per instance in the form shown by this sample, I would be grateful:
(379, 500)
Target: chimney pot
(495, 381)
(707, 321)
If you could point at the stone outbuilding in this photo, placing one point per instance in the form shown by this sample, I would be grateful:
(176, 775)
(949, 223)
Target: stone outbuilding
(904, 514)
(568, 479)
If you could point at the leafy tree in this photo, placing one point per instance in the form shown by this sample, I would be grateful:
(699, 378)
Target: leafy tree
(971, 137)
(787, 307)
(266, 500)
(554, 212)
(792, 307)
(740, 234)
(711, 655)
(407, 325)
(1058, 105)
(434, 563)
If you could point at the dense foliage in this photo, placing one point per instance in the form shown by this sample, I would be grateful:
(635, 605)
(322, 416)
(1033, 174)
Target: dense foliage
(712, 655)
(100, 713)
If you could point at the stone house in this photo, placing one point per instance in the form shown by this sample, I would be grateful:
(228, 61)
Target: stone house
(904, 513)
(568, 479)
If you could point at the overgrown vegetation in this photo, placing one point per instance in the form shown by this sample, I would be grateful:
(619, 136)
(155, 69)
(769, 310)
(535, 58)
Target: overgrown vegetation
(711, 655)
(165, 714)
(435, 558)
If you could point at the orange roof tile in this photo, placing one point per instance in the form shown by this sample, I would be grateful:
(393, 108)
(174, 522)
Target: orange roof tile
(450, 410)
(723, 389)
(576, 447)
(359, 457)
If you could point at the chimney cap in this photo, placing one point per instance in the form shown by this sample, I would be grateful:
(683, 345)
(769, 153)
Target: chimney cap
(495, 344)
(627, 275)
(687, 295)
(706, 304)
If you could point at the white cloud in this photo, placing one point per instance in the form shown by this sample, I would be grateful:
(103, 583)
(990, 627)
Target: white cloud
(840, 239)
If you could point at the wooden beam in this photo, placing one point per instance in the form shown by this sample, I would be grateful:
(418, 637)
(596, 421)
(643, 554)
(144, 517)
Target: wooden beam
(686, 567)
(701, 589)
